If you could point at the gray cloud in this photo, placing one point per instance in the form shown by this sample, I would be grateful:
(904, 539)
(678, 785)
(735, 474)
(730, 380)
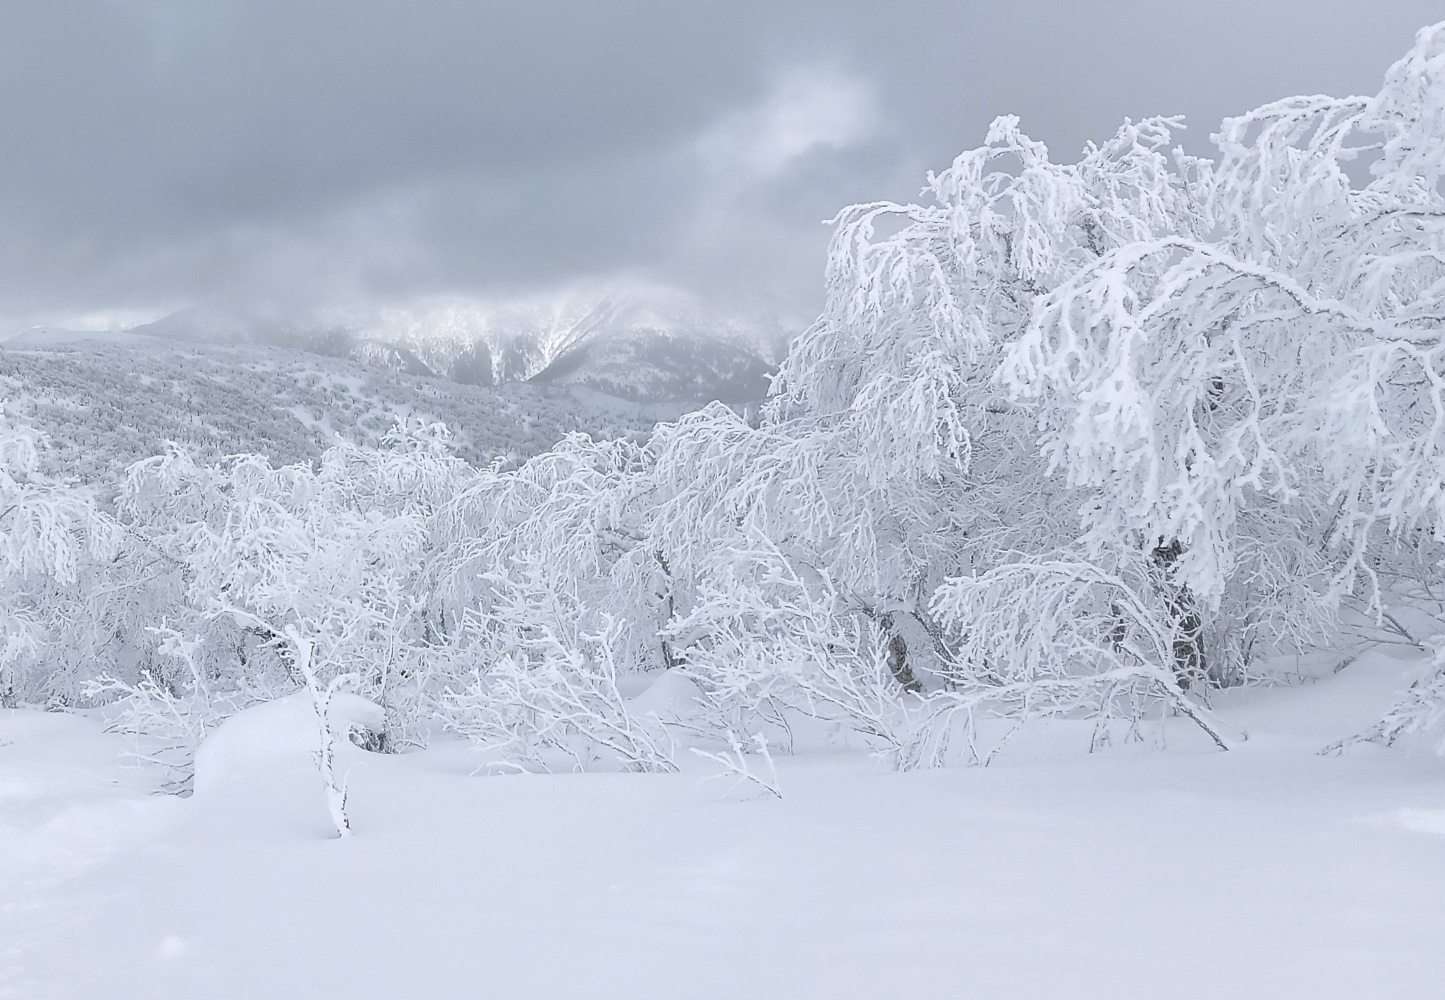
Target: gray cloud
(157, 153)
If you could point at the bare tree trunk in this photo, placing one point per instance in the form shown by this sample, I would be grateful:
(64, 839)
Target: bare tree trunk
(669, 658)
(897, 647)
(1189, 661)
(898, 656)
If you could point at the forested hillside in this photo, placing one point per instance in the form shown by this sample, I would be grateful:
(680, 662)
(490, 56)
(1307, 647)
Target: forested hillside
(103, 405)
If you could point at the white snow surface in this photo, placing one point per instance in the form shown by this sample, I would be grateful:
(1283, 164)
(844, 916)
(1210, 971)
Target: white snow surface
(1269, 871)
(275, 738)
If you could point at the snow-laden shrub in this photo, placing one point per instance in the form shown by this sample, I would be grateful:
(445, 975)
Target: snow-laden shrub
(764, 641)
(546, 680)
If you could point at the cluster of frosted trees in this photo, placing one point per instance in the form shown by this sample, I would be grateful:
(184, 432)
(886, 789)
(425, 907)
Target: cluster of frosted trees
(1069, 439)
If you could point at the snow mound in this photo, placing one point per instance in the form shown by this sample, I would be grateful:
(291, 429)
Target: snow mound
(279, 737)
(1423, 820)
(672, 696)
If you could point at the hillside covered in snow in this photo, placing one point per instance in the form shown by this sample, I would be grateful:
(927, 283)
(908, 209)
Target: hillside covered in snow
(643, 344)
(107, 402)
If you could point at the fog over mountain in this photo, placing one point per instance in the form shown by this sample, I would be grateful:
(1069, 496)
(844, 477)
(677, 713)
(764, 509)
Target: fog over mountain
(638, 342)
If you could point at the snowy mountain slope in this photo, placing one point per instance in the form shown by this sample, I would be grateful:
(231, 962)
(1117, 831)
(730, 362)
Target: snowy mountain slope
(647, 364)
(211, 326)
(105, 405)
(522, 337)
(397, 359)
(51, 336)
(645, 343)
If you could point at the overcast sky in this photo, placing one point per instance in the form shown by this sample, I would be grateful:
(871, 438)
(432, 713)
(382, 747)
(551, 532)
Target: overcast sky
(291, 154)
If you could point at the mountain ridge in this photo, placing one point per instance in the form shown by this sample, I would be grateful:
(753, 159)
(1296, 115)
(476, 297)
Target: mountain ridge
(653, 346)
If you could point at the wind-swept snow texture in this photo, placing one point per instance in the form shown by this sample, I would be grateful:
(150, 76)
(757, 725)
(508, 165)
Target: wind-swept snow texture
(1269, 871)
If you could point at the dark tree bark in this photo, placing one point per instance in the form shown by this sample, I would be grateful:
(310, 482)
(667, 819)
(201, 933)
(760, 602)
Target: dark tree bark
(898, 656)
(1189, 661)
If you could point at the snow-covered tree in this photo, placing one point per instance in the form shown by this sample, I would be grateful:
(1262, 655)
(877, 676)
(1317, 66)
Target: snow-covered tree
(51, 537)
(1244, 396)
(1208, 388)
(300, 575)
(553, 593)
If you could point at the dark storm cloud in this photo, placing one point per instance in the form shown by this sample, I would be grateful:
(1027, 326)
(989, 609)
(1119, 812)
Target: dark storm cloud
(156, 153)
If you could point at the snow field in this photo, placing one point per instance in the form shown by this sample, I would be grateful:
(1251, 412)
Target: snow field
(1269, 871)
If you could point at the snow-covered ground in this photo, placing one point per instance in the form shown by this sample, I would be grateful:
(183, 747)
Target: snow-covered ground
(1141, 871)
